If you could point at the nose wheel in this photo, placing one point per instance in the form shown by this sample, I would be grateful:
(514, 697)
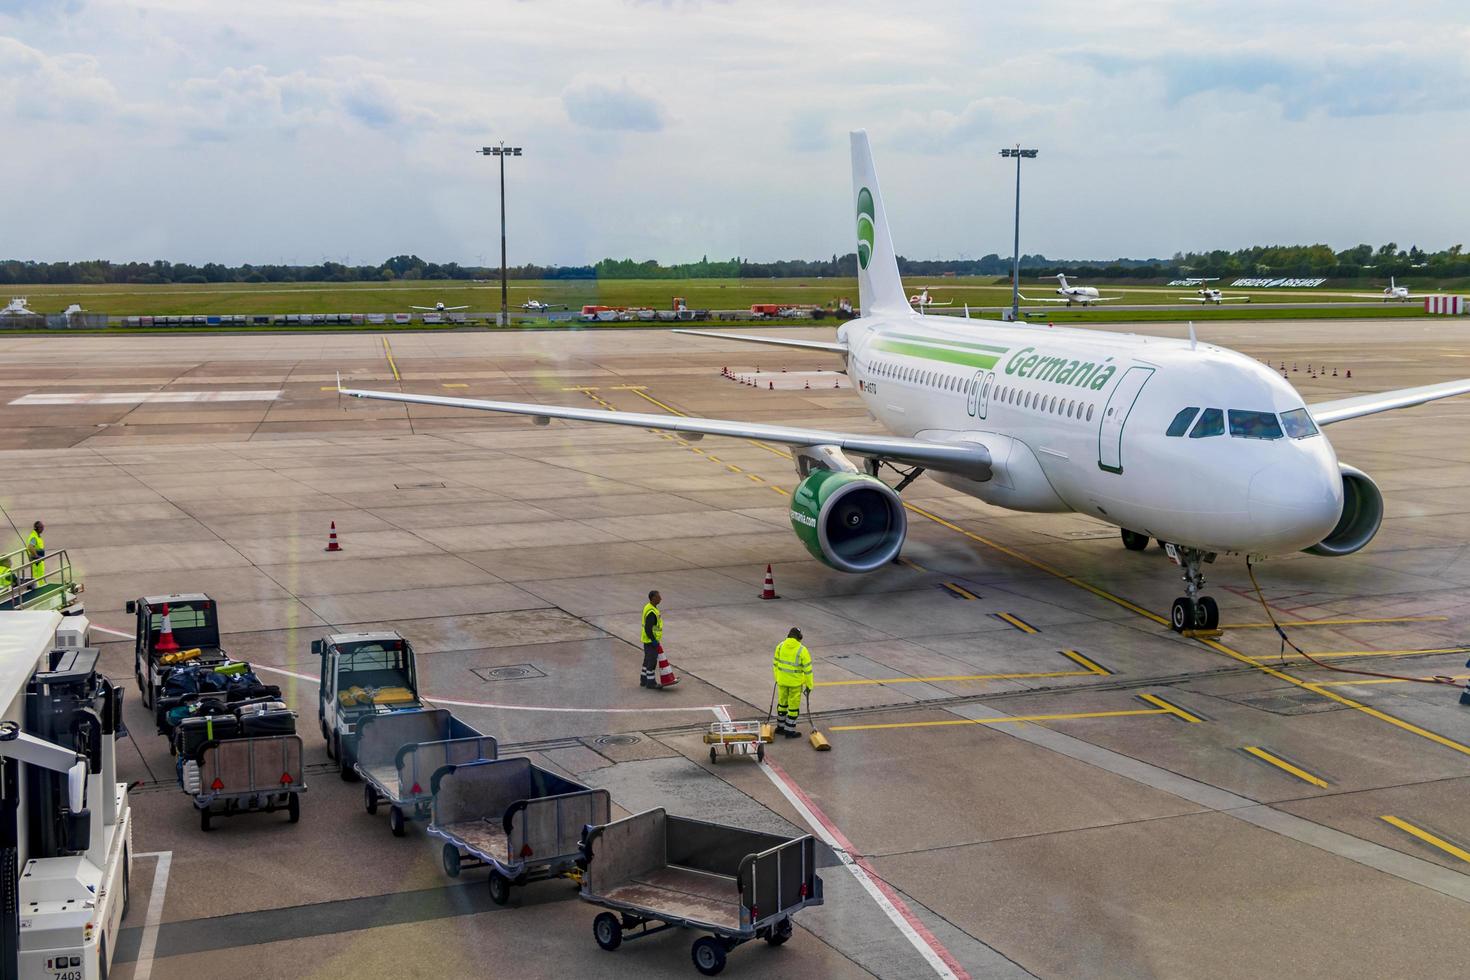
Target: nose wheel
(1193, 611)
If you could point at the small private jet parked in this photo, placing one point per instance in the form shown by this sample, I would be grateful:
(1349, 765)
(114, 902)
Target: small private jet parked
(17, 307)
(1079, 295)
(1392, 292)
(1209, 294)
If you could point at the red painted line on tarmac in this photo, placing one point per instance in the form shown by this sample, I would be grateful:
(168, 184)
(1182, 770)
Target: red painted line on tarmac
(888, 891)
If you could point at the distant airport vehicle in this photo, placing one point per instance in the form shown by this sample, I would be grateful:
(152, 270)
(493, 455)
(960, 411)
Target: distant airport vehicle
(17, 307)
(536, 306)
(1209, 294)
(1223, 456)
(1393, 291)
(1080, 295)
(923, 300)
(439, 308)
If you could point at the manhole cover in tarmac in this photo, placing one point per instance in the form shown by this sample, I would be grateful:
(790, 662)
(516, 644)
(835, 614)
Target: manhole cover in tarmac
(615, 740)
(509, 672)
(1288, 702)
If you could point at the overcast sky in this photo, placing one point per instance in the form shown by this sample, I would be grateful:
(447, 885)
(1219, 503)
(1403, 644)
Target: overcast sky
(293, 130)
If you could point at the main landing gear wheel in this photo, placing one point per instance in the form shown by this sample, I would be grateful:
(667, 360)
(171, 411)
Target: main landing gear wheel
(1183, 615)
(1134, 541)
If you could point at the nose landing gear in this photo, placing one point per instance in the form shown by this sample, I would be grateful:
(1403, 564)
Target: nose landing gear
(1192, 611)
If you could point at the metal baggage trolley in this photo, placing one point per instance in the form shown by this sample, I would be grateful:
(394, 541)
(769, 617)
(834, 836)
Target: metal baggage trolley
(521, 821)
(656, 872)
(246, 775)
(397, 752)
(739, 738)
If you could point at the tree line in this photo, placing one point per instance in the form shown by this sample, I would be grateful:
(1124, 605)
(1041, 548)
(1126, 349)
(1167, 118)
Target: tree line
(1358, 262)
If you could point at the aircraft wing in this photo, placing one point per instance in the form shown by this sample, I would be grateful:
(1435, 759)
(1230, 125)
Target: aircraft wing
(1342, 409)
(1193, 299)
(1105, 299)
(451, 309)
(1043, 299)
(970, 459)
(773, 341)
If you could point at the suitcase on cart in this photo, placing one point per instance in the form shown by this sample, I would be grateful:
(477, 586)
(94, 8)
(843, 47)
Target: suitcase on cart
(267, 719)
(194, 732)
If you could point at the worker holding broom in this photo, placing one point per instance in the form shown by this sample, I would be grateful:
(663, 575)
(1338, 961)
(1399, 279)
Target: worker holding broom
(792, 665)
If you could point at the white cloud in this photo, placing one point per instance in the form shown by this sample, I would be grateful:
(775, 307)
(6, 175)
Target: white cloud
(599, 104)
(37, 85)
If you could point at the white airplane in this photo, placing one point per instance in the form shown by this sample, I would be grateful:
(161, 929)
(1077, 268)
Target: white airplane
(536, 306)
(17, 307)
(1189, 443)
(1209, 294)
(439, 308)
(923, 300)
(1393, 291)
(1082, 295)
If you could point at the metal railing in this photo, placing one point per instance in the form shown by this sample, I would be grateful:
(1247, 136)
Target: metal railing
(53, 589)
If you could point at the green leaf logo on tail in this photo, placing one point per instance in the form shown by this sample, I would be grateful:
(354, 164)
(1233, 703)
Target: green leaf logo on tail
(865, 227)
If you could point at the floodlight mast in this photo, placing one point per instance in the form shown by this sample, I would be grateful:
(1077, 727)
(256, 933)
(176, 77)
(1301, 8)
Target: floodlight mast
(502, 151)
(1018, 153)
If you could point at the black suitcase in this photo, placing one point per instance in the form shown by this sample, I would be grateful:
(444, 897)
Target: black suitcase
(194, 732)
(271, 721)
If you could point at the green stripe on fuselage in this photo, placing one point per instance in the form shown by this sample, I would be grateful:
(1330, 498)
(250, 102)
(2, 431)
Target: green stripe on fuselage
(948, 343)
(938, 354)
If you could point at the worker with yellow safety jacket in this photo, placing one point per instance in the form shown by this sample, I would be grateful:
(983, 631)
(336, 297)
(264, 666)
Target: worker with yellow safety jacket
(652, 628)
(792, 665)
(36, 551)
(7, 582)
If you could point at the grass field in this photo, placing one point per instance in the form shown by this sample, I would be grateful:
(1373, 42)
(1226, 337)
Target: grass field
(717, 294)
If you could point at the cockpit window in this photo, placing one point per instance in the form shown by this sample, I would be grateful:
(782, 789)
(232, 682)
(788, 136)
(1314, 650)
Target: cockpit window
(1211, 423)
(1254, 425)
(1298, 423)
(1180, 425)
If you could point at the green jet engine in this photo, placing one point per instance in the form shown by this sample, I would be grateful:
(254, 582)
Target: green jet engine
(850, 521)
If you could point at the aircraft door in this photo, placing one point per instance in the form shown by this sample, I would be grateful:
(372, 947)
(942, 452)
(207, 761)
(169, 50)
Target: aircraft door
(982, 401)
(1115, 416)
(973, 396)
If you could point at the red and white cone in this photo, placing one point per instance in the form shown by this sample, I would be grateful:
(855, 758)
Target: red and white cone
(332, 544)
(768, 591)
(166, 642)
(666, 675)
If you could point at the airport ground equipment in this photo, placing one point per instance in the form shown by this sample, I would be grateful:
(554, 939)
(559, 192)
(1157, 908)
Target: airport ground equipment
(65, 822)
(362, 674)
(236, 776)
(818, 740)
(521, 821)
(194, 618)
(739, 738)
(397, 752)
(654, 871)
(56, 590)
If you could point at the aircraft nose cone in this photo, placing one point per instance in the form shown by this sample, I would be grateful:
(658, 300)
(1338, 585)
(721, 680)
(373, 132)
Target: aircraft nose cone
(1295, 503)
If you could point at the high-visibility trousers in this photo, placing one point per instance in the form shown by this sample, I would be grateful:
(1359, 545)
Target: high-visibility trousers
(788, 705)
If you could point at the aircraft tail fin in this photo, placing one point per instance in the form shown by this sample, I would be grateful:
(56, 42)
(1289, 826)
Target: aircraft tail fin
(880, 290)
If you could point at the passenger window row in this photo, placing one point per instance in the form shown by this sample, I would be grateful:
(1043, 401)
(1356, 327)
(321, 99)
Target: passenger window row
(920, 376)
(1244, 424)
(1007, 395)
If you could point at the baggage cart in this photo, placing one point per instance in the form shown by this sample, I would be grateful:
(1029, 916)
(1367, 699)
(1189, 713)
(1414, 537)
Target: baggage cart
(397, 752)
(233, 776)
(522, 822)
(739, 738)
(654, 871)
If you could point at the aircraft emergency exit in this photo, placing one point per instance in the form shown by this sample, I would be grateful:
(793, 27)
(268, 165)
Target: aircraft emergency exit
(1188, 443)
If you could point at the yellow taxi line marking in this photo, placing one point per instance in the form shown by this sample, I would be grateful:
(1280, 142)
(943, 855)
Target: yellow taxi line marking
(1172, 709)
(1016, 621)
(388, 352)
(757, 479)
(581, 388)
(1130, 712)
(1092, 667)
(447, 385)
(1388, 680)
(627, 387)
(1285, 766)
(780, 491)
(674, 411)
(1334, 622)
(912, 564)
(712, 458)
(733, 468)
(1427, 837)
(960, 591)
(329, 388)
(953, 678)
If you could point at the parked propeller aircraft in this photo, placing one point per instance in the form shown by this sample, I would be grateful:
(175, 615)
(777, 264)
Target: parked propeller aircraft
(1081, 295)
(536, 306)
(1209, 294)
(923, 300)
(439, 308)
(1188, 443)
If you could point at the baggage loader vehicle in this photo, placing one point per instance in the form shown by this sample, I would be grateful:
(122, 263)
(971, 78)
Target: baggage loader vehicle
(521, 821)
(193, 618)
(398, 751)
(655, 871)
(245, 775)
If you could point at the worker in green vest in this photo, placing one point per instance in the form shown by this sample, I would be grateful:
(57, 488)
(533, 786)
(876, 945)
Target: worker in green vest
(792, 666)
(36, 551)
(7, 582)
(653, 639)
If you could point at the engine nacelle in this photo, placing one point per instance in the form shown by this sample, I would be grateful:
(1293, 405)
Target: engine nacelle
(850, 521)
(1362, 513)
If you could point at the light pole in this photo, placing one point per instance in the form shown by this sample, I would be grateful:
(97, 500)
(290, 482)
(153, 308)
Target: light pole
(1018, 153)
(502, 151)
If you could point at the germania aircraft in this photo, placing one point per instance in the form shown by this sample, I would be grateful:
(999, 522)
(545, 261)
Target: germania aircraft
(1188, 443)
(1390, 292)
(439, 307)
(1210, 294)
(1081, 295)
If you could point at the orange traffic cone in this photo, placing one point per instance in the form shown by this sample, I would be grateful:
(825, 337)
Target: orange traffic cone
(666, 675)
(836, 382)
(1349, 373)
(768, 591)
(332, 544)
(166, 641)
(1334, 372)
(808, 384)
(772, 386)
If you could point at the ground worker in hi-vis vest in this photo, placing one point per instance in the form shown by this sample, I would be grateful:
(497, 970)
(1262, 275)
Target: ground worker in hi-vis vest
(36, 551)
(792, 665)
(653, 640)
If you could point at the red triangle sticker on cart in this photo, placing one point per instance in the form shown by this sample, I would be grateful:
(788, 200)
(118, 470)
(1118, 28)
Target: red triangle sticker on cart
(286, 779)
(417, 791)
(216, 785)
(526, 850)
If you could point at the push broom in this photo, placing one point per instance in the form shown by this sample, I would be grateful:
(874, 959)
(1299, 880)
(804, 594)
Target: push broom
(818, 740)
